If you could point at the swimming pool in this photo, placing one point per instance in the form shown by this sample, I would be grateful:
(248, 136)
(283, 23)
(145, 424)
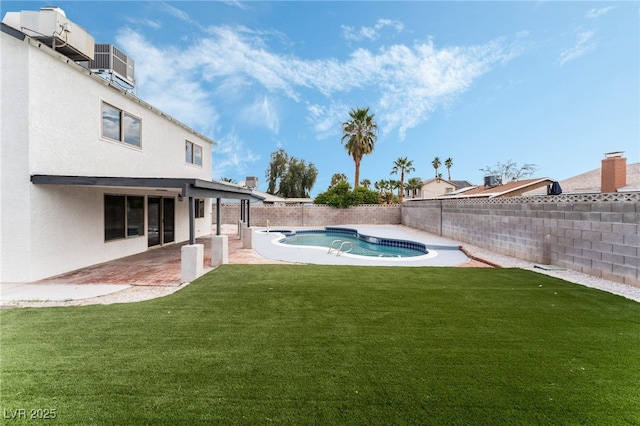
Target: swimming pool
(349, 241)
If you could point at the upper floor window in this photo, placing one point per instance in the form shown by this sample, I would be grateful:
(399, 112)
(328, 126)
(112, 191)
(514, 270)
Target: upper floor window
(119, 125)
(193, 153)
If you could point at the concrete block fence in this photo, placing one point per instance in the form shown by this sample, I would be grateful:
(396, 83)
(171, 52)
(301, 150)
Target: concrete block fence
(312, 215)
(595, 234)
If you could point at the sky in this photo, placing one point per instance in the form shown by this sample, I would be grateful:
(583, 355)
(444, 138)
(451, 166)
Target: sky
(550, 83)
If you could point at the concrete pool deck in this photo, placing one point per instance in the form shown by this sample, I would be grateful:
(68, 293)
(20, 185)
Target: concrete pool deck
(442, 252)
(156, 273)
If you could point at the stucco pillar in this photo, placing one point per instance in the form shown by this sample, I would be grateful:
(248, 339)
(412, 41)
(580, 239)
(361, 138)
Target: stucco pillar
(247, 238)
(219, 250)
(192, 260)
(240, 228)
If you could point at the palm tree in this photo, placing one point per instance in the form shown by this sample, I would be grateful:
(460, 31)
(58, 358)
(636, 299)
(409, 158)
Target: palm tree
(384, 189)
(448, 163)
(338, 177)
(436, 165)
(366, 183)
(360, 134)
(228, 180)
(403, 166)
(413, 185)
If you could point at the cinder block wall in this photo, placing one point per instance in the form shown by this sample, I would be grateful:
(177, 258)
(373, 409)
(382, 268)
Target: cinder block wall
(595, 234)
(311, 215)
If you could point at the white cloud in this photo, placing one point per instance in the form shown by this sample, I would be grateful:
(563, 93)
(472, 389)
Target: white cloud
(232, 156)
(175, 12)
(326, 120)
(370, 33)
(596, 13)
(262, 112)
(145, 22)
(402, 84)
(582, 46)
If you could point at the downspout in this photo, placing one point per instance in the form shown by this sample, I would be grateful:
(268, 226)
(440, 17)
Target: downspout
(218, 213)
(192, 221)
(248, 213)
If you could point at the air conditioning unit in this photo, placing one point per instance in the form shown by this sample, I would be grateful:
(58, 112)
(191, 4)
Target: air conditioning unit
(491, 181)
(51, 26)
(251, 182)
(112, 60)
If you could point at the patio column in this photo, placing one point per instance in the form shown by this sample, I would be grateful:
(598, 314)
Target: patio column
(191, 262)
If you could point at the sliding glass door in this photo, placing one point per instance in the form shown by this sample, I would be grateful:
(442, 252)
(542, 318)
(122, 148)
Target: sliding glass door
(160, 220)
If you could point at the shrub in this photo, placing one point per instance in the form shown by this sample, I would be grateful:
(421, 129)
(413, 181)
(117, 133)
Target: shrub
(340, 195)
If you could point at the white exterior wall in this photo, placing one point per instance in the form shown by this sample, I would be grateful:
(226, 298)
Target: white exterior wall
(51, 124)
(435, 188)
(15, 204)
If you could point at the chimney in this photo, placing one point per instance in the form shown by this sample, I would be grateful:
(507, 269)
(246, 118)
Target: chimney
(614, 172)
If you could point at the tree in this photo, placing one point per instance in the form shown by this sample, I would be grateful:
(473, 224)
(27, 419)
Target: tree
(289, 177)
(403, 166)
(338, 177)
(413, 185)
(436, 165)
(360, 135)
(228, 180)
(448, 163)
(366, 183)
(510, 170)
(277, 169)
(340, 195)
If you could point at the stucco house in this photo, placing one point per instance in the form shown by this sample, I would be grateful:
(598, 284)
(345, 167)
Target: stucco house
(89, 172)
(434, 187)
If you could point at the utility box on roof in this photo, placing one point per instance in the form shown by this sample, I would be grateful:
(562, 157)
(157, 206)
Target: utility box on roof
(109, 58)
(51, 26)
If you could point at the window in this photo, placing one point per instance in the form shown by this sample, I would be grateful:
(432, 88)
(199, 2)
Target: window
(199, 208)
(120, 126)
(193, 153)
(123, 217)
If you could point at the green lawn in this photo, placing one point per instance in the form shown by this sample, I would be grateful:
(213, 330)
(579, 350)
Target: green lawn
(288, 344)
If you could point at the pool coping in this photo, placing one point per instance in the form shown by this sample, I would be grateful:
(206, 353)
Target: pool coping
(446, 252)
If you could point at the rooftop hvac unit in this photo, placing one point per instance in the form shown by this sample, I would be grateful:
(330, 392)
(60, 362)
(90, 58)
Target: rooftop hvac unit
(51, 26)
(251, 182)
(112, 60)
(491, 181)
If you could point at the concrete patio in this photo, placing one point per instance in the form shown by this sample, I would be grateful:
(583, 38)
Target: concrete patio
(159, 268)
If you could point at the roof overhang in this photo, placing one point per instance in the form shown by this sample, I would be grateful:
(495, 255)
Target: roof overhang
(187, 187)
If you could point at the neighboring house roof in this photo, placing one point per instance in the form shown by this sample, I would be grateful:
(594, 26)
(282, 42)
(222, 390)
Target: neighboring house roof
(267, 198)
(459, 184)
(590, 182)
(509, 189)
(438, 180)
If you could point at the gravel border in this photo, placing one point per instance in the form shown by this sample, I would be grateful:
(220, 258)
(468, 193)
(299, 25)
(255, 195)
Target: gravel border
(620, 289)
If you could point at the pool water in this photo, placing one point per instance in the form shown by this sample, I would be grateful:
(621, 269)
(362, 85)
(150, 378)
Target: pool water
(361, 245)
